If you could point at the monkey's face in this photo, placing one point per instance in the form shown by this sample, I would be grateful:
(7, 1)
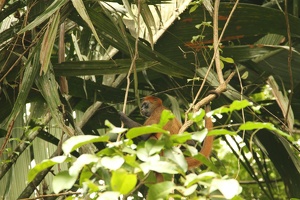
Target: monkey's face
(146, 109)
(149, 104)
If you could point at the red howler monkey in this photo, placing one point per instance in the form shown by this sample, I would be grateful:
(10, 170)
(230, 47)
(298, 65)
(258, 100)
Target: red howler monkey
(152, 108)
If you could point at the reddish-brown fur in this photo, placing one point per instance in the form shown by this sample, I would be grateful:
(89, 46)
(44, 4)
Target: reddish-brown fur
(153, 112)
(152, 108)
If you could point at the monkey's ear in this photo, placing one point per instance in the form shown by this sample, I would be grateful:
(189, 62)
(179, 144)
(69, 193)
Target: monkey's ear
(129, 123)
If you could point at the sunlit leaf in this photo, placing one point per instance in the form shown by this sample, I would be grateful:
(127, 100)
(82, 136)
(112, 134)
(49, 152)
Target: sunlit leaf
(83, 160)
(123, 181)
(165, 117)
(229, 188)
(192, 179)
(160, 167)
(235, 105)
(200, 135)
(62, 181)
(176, 155)
(197, 116)
(160, 190)
(181, 138)
(143, 130)
(114, 129)
(109, 195)
(154, 146)
(143, 155)
(77, 141)
(227, 59)
(44, 165)
(112, 163)
(187, 191)
(85, 175)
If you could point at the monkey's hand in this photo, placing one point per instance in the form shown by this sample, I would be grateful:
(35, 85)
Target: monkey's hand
(129, 123)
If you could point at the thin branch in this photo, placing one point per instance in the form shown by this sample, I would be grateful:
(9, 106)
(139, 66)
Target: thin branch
(220, 89)
(8, 134)
(243, 118)
(216, 42)
(133, 57)
(249, 182)
(289, 64)
(210, 65)
(52, 195)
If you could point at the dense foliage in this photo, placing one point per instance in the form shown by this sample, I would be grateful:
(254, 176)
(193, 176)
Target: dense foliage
(68, 67)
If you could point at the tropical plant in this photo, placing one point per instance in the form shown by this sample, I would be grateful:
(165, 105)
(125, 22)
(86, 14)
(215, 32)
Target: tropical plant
(67, 67)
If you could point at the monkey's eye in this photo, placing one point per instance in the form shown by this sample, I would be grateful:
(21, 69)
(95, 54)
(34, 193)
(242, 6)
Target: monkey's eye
(145, 105)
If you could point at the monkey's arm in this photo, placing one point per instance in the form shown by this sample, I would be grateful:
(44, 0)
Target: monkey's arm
(129, 123)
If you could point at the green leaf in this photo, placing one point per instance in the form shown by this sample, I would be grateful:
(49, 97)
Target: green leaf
(236, 105)
(92, 186)
(175, 107)
(32, 67)
(227, 59)
(205, 161)
(176, 155)
(143, 155)
(165, 117)
(199, 135)
(77, 141)
(123, 181)
(160, 167)
(197, 116)
(48, 87)
(114, 129)
(148, 20)
(193, 8)
(44, 165)
(131, 160)
(113, 163)
(62, 181)
(181, 138)
(262, 125)
(56, 5)
(221, 132)
(80, 7)
(83, 160)
(109, 195)
(48, 41)
(192, 179)
(143, 130)
(154, 146)
(256, 125)
(229, 188)
(160, 190)
(85, 176)
(187, 191)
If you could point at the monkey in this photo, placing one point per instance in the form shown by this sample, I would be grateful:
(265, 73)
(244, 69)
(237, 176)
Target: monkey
(152, 107)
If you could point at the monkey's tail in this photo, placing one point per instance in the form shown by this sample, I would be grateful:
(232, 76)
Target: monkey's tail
(207, 144)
